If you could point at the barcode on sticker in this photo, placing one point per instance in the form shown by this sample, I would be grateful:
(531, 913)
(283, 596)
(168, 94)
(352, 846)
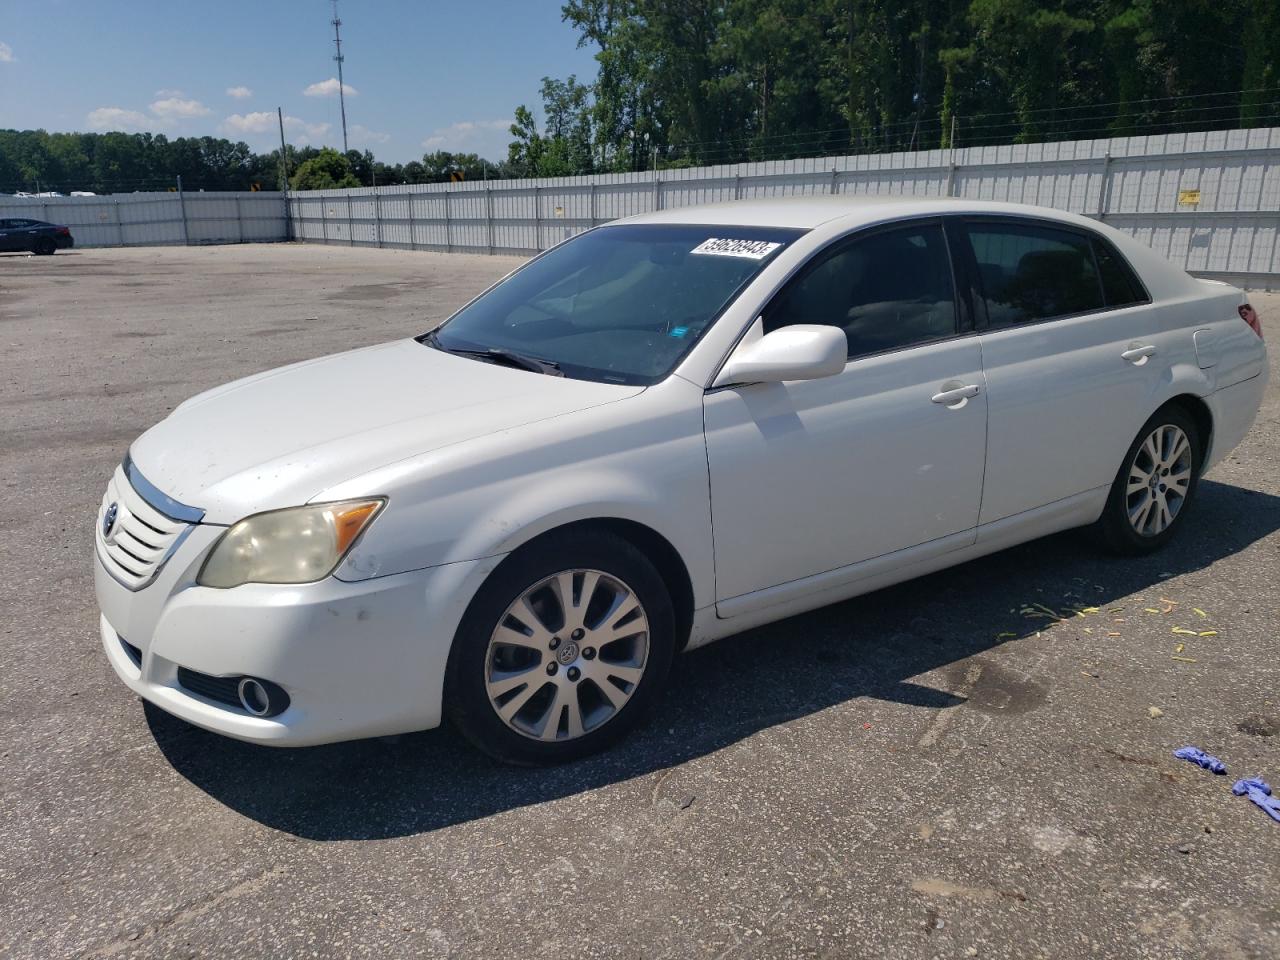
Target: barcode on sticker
(728, 247)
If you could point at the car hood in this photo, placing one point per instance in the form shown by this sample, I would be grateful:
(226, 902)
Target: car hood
(279, 438)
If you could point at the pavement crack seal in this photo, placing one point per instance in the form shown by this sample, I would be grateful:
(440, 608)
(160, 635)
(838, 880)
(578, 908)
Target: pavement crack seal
(192, 911)
(943, 720)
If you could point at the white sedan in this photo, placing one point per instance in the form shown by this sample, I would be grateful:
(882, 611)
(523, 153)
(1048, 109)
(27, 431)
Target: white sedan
(661, 432)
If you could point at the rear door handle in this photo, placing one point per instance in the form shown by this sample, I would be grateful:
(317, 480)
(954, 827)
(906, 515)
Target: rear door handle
(1137, 353)
(957, 395)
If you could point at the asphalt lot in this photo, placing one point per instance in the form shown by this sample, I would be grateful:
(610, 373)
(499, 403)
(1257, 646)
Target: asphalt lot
(926, 771)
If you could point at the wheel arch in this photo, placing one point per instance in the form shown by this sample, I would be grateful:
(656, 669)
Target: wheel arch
(1199, 412)
(656, 548)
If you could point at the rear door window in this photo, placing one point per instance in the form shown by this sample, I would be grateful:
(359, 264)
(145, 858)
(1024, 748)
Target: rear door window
(1030, 271)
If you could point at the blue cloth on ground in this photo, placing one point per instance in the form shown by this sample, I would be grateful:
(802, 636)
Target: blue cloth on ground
(1259, 791)
(1198, 756)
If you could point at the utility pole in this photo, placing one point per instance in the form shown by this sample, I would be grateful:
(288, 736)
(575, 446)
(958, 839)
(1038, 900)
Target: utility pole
(284, 163)
(342, 90)
(284, 156)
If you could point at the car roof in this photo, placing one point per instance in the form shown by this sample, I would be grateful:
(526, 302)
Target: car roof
(812, 211)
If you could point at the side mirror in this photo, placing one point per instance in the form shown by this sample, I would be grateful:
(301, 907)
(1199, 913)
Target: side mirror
(805, 351)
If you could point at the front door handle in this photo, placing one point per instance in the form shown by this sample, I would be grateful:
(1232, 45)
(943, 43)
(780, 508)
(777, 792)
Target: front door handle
(1138, 352)
(955, 397)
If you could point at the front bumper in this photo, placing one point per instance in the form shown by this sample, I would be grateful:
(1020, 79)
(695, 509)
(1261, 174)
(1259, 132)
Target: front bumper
(357, 659)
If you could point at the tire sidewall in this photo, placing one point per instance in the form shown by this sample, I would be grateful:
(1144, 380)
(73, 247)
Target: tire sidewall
(466, 699)
(1116, 528)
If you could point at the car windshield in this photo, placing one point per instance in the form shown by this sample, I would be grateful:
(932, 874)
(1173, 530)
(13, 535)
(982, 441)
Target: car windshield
(619, 304)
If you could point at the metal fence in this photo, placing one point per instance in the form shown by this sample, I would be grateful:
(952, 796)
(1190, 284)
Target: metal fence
(152, 219)
(1208, 201)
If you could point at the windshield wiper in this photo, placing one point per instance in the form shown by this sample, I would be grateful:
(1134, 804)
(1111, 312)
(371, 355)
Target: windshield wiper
(500, 355)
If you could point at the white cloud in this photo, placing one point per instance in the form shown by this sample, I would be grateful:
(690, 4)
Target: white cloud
(175, 108)
(489, 138)
(239, 93)
(117, 118)
(329, 88)
(168, 93)
(260, 122)
(6, 53)
(363, 135)
(305, 131)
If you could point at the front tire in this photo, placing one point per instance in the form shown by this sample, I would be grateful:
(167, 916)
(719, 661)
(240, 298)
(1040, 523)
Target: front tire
(1155, 484)
(562, 651)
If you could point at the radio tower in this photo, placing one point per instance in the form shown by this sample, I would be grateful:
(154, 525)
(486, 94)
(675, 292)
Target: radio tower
(342, 88)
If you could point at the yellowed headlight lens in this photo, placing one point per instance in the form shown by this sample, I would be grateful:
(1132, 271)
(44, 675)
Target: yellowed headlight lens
(298, 545)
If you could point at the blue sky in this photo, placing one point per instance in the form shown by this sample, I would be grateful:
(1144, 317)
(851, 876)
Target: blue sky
(421, 75)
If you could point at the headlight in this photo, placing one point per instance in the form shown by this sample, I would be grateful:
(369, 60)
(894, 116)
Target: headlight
(297, 545)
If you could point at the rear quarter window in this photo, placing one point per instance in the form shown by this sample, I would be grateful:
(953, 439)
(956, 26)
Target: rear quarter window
(1120, 285)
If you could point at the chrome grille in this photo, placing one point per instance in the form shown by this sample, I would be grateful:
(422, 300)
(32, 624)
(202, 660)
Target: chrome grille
(141, 539)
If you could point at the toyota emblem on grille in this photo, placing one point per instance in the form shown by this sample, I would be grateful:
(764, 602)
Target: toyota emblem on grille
(109, 520)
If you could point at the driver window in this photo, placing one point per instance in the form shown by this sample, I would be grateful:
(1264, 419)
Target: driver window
(889, 290)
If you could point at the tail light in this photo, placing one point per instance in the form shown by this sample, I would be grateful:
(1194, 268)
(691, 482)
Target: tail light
(1250, 316)
(65, 231)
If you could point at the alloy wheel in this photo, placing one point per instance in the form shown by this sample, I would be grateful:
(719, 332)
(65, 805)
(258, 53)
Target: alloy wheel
(567, 655)
(1159, 479)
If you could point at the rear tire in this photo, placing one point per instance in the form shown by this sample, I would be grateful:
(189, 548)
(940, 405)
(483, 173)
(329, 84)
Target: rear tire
(534, 680)
(1155, 485)
(45, 247)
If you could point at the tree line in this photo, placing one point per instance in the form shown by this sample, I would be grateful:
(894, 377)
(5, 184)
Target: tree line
(33, 161)
(684, 82)
(689, 82)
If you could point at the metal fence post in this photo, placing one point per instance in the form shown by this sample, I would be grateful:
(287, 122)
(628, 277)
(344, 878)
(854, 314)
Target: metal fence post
(592, 203)
(488, 216)
(537, 218)
(377, 217)
(448, 233)
(951, 179)
(1104, 188)
(657, 191)
(351, 233)
(182, 209)
(119, 225)
(239, 220)
(324, 218)
(834, 175)
(737, 186)
(413, 237)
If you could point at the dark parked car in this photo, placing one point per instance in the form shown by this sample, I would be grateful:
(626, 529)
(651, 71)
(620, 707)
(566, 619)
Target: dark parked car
(34, 235)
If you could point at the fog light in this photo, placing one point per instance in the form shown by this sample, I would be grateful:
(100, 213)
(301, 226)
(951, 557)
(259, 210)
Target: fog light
(254, 697)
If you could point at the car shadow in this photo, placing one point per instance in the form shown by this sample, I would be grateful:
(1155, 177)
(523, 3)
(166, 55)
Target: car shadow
(870, 647)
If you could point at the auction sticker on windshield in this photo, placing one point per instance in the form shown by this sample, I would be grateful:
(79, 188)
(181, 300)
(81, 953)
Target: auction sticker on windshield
(727, 247)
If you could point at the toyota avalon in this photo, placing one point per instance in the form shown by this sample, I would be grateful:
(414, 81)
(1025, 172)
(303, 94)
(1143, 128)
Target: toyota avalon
(658, 433)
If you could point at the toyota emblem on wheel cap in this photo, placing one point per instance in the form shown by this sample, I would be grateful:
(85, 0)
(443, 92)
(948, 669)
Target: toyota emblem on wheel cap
(109, 520)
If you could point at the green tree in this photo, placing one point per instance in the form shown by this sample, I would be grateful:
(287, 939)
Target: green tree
(326, 170)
